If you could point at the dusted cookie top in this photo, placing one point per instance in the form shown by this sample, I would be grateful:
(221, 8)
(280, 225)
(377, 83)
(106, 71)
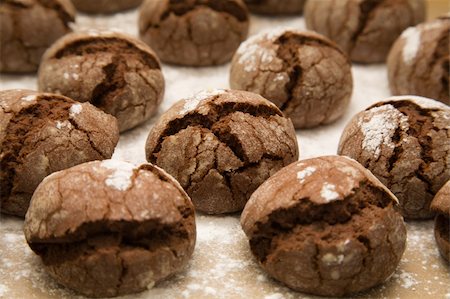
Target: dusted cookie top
(129, 227)
(28, 28)
(41, 133)
(364, 29)
(418, 62)
(194, 32)
(221, 145)
(276, 7)
(305, 74)
(405, 142)
(104, 6)
(325, 226)
(115, 72)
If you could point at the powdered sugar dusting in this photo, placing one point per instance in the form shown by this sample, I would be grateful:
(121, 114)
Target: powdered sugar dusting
(75, 109)
(412, 44)
(302, 174)
(120, 179)
(63, 124)
(328, 192)
(29, 98)
(192, 102)
(378, 125)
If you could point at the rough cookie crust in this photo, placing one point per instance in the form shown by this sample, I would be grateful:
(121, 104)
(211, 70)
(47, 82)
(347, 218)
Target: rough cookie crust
(104, 6)
(276, 7)
(115, 72)
(41, 133)
(405, 142)
(139, 229)
(441, 206)
(28, 28)
(194, 32)
(364, 29)
(305, 74)
(419, 61)
(221, 145)
(325, 226)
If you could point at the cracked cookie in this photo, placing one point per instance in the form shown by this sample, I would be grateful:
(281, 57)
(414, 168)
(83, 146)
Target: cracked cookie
(104, 6)
(126, 229)
(418, 62)
(405, 142)
(276, 7)
(303, 73)
(325, 226)
(441, 206)
(221, 145)
(41, 133)
(194, 32)
(115, 72)
(364, 29)
(28, 28)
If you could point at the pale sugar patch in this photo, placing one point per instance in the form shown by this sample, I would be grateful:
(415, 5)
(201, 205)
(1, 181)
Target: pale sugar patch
(66, 75)
(63, 124)
(301, 175)
(274, 296)
(28, 98)
(412, 44)
(328, 192)
(423, 102)
(192, 102)
(380, 127)
(75, 109)
(75, 76)
(120, 179)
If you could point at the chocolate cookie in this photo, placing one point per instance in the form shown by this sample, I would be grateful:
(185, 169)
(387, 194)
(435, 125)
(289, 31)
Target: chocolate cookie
(115, 72)
(441, 206)
(405, 142)
(104, 6)
(303, 73)
(139, 230)
(364, 29)
(276, 7)
(418, 62)
(325, 226)
(194, 32)
(41, 133)
(221, 145)
(28, 28)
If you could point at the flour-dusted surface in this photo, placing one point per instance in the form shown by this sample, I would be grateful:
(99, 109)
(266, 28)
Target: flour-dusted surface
(222, 265)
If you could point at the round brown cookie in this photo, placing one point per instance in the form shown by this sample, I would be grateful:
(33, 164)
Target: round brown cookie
(194, 32)
(115, 72)
(28, 28)
(325, 226)
(418, 62)
(104, 6)
(441, 206)
(221, 145)
(276, 7)
(41, 133)
(405, 142)
(303, 73)
(139, 230)
(364, 29)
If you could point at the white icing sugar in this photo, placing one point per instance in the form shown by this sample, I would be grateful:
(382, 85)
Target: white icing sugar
(328, 192)
(60, 125)
(66, 75)
(407, 280)
(120, 179)
(423, 102)
(331, 259)
(75, 109)
(192, 102)
(412, 44)
(274, 296)
(28, 98)
(302, 174)
(380, 127)
(3, 290)
(75, 76)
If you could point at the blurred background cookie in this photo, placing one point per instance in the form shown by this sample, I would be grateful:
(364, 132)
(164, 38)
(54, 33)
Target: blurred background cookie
(104, 6)
(41, 133)
(419, 61)
(305, 74)
(221, 145)
(276, 7)
(405, 142)
(441, 206)
(364, 29)
(28, 28)
(194, 32)
(115, 72)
